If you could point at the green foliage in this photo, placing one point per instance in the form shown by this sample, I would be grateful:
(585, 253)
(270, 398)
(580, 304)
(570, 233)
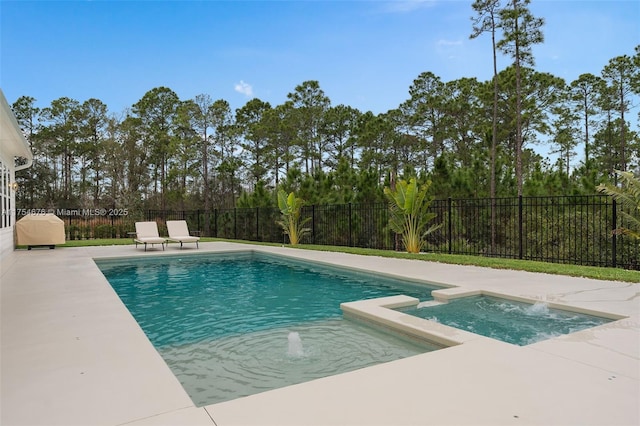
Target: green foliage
(103, 231)
(368, 189)
(409, 215)
(290, 206)
(628, 195)
(79, 232)
(176, 154)
(260, 197)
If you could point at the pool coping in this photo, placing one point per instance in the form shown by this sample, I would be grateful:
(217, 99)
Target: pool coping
(68, 343)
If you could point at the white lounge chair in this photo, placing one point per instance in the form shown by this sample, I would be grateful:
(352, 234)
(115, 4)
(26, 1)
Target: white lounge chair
(147, 233)
(179, 232)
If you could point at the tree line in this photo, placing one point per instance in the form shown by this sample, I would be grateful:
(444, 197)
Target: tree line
(470, 138)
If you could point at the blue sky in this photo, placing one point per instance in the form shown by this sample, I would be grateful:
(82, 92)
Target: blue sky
(364, 53)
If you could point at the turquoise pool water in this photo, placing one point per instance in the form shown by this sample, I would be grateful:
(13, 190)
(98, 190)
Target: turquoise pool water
(235, 324)
(506, 320)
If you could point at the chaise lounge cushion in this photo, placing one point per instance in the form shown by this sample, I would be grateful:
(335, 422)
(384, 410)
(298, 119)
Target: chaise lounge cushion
(179, 232)
(147, 233)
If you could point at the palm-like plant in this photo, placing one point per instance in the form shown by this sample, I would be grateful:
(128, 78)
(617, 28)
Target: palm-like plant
(409, 215)
(290, 206)
(628, 195)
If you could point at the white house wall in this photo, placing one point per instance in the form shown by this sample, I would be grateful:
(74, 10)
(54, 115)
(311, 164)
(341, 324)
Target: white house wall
(7, 205)
(12, 145)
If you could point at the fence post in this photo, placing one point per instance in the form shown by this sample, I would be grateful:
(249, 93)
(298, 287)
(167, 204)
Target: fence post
(614, 241)
(198, 221)
(350, 228)
(235, 223)
(215, 223)
(520, 227)
(450, 225)
(258, 224)
(313, 224)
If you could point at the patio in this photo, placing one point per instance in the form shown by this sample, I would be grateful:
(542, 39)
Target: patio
(72, 354)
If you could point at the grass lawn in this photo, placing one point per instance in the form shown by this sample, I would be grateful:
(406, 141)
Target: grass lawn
(613, 274)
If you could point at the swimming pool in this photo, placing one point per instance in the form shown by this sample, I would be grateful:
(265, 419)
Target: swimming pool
(507, 320)
(235, 324)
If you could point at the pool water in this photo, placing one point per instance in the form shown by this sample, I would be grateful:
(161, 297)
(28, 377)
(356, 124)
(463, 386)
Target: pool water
(234, 324)
(510, 321)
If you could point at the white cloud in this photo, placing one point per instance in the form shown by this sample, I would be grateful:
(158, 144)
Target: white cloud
(244, 88)
(450, 49)
(443, 42)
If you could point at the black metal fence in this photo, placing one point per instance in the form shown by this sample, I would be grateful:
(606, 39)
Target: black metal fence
(355, 225)
(565, 229)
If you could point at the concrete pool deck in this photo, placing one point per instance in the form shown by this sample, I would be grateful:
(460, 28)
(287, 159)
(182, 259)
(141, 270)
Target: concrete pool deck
(72, 354)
